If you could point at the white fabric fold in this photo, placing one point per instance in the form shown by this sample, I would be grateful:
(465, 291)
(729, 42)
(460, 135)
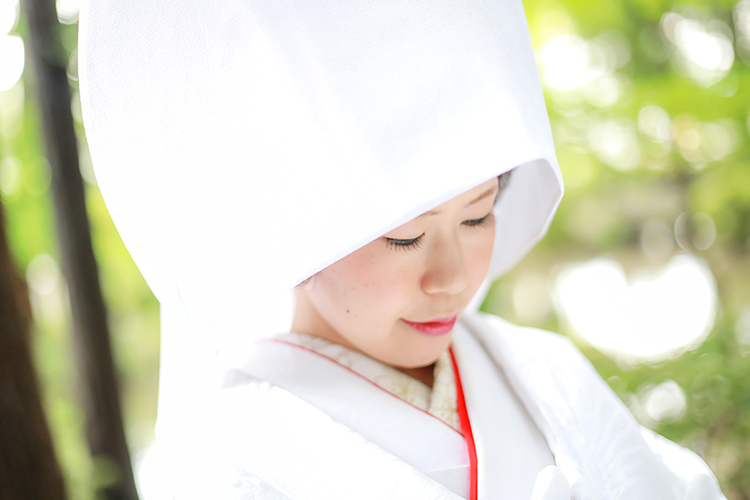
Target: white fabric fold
(411, 434)
(597, 444)
(259, 441)
(510, 449)
(546, 427)
(551, 484)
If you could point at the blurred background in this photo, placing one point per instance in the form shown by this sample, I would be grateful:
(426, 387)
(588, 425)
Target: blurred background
(645, 267)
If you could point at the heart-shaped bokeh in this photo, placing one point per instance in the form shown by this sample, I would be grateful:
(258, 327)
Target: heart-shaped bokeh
(655, 316)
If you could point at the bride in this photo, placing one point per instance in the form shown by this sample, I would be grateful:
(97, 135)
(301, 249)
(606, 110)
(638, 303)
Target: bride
(382, 162)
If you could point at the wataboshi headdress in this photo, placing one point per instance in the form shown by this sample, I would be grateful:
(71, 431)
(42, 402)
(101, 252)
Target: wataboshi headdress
(242, 146)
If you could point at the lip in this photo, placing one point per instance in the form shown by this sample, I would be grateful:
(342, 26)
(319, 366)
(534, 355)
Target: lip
(436, 328)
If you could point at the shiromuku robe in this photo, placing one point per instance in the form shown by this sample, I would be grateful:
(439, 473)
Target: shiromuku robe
(520, 414)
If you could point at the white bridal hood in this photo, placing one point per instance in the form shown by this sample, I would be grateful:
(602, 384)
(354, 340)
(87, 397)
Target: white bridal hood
(241, 146)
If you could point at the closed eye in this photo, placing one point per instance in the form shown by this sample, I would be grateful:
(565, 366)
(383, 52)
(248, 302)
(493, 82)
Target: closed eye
(415, 243)
(410, 244)
(484, 221)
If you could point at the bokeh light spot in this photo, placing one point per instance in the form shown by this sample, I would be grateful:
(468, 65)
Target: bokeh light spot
(9, 10)
(565, 61)
(67, 11)
(656, 316)
(10, 177)
(615, 143)
(46, 291)
(703, 232)
(703, 50)
(665, 402)
(11, 61)
(655, 123)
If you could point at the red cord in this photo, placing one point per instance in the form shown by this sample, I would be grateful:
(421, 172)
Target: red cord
(463, 419)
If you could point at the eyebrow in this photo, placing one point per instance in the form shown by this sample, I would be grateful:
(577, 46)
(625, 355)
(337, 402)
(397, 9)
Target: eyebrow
(476, 200)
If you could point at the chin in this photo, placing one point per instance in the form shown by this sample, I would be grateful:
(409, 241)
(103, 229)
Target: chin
(422, 356)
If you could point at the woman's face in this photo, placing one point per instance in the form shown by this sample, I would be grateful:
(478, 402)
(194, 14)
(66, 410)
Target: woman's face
(395, 298)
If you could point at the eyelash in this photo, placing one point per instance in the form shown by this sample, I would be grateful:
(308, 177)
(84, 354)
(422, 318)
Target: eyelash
(416, 243)
(484, 221)
(399, 245)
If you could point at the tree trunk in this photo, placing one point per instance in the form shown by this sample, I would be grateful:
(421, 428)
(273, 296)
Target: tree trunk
(96, 370)
(28, 467)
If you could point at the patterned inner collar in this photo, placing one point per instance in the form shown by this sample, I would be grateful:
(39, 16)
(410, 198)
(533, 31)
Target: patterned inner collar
(439, 401)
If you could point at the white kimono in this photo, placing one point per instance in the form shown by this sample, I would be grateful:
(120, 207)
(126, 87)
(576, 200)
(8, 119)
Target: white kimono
(275, 138)
(297, 421)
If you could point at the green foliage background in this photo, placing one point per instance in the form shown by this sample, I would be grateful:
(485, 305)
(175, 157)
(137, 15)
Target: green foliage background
(603, 214)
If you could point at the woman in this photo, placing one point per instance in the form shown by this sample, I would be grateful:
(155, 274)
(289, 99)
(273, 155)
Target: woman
(350, 153)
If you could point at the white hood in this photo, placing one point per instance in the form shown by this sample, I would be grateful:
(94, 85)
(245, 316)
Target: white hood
(241, 146)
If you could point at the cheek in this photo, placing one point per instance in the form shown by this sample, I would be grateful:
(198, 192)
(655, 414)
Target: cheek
(480, 257)
(366, 286)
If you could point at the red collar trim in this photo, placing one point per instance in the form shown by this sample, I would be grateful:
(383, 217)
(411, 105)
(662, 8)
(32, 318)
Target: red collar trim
(463, 419)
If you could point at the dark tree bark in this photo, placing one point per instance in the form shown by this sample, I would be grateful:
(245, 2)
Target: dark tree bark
(96, 370)
(28, 466)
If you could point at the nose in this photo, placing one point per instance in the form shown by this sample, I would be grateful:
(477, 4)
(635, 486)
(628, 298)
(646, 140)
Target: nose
(446, 272)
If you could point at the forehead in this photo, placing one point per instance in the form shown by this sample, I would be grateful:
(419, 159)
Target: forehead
(472, 196)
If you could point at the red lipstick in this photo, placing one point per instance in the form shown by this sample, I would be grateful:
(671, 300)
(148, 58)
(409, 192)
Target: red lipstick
(436, 328)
